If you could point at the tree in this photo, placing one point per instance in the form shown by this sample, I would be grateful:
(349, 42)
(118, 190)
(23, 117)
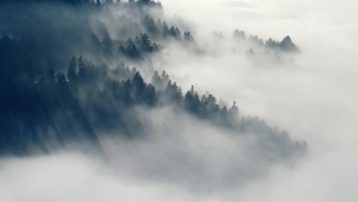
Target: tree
(188, 36)
(129, 49)
(239, 34)
(174, 32)
(156, 80)
(192, 101)
(165, 30)
(173, 93)
(234, 110)
(72, 69)
(150, 25)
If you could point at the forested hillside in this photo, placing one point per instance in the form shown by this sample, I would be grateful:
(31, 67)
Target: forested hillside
(64, 77)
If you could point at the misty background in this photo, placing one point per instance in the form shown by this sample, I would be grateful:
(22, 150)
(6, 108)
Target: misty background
(310, 94)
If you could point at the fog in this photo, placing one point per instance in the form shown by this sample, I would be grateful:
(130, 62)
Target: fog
(313, 96)
(310, 94)
(182, 159)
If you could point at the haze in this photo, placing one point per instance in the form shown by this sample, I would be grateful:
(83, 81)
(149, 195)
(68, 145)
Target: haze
(311, 94)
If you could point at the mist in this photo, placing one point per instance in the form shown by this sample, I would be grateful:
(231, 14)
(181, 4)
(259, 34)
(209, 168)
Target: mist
(312, 96)
(180, 157)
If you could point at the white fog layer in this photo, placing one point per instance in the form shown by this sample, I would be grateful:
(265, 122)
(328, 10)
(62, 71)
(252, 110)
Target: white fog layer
(310, 94)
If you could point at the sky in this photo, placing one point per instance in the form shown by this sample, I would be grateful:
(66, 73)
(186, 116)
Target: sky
(311, 95)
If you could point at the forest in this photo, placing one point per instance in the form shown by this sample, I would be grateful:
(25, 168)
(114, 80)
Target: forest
(58, 84)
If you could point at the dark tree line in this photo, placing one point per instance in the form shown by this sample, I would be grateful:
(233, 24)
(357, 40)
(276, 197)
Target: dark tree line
(45, 104)
(276, 142)
(143, 3)
(95, 2)
(136, 48)
(160, 29)
(48, 34)
(54, 108)
(204, 107)
(285, 44)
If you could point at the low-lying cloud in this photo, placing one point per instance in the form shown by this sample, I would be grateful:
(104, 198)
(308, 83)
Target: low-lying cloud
(310, 94)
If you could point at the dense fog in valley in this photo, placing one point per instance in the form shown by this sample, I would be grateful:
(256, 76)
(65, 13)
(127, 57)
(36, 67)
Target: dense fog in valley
(216, 100)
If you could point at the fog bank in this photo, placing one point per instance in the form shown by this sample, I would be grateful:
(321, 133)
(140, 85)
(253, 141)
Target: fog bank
(310, 94)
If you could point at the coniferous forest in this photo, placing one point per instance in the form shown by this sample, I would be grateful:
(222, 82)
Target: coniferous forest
(163, 100)
(57, 86)
(77, 73)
